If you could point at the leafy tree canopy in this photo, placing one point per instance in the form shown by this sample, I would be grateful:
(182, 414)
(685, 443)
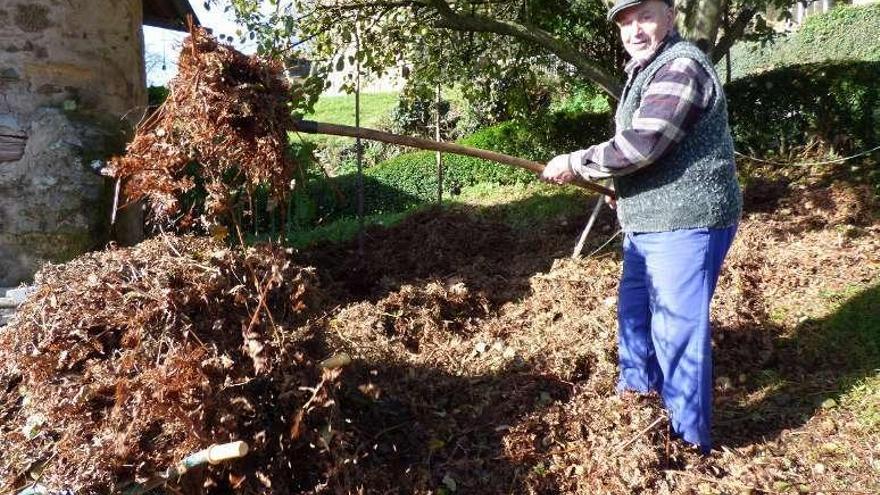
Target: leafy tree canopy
(454, 41)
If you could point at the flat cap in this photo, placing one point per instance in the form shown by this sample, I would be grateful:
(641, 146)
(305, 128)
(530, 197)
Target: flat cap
(623, 4)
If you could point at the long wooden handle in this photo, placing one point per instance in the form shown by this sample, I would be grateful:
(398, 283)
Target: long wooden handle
(312, 127)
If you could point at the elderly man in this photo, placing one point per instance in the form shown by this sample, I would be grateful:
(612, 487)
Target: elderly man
(678, 202)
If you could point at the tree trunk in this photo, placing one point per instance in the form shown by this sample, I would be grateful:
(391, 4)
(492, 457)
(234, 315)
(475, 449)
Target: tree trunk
(698, 21)
(732, 33)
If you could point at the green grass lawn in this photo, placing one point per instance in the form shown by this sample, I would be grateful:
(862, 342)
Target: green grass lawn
(340, 110)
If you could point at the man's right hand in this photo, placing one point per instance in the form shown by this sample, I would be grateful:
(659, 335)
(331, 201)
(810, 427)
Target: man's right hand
(558, 170)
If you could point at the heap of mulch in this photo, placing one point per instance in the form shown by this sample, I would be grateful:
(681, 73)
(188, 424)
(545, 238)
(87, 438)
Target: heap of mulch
(791, 269)
(452, 246)
(225, 122)
(493, 371)
(570, 432)
(125, 361)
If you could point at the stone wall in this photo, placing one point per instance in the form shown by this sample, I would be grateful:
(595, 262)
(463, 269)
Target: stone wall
(72, 83)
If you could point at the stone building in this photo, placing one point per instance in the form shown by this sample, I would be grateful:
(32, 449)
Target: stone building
(72, 85)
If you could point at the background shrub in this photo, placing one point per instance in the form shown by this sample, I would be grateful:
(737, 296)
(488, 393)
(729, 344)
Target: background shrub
(846, 32)
(156, 95)
(582, 98)
(837, 104)
(414, 115)
(410, 179)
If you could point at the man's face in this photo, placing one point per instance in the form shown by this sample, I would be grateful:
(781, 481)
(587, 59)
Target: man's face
(643, 27)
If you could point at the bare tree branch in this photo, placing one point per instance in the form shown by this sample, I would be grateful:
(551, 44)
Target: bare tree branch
(293, 44)
(365, 5)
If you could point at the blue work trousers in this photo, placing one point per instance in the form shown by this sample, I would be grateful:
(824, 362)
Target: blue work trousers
(663, 313)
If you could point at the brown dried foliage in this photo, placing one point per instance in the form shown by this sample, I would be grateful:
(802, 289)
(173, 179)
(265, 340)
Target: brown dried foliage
(492, 371)
(132, 359)
(225, 122)
(516, 393)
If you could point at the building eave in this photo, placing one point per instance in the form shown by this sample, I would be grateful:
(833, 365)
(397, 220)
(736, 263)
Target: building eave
(168, 14)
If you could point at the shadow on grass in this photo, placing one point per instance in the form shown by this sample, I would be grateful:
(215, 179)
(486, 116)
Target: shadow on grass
(770, 378)
(786, 380)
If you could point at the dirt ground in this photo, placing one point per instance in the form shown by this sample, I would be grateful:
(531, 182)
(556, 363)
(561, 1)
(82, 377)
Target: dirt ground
(483, 361)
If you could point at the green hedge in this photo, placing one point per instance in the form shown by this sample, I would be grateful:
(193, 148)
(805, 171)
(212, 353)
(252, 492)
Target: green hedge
(156, 95)
(839, 104)
(845, 33)
(411, 179)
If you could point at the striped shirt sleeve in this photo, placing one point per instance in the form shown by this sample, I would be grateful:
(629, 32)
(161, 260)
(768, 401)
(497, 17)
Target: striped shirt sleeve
(673, 102)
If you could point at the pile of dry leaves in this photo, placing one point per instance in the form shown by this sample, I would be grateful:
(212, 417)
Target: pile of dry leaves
(125, 361)
(492, 372)
(224, 124)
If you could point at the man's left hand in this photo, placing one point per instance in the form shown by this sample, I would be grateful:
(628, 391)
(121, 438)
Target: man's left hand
(558, 170)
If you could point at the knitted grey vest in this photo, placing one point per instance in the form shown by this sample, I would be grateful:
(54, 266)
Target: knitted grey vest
(694, 184)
